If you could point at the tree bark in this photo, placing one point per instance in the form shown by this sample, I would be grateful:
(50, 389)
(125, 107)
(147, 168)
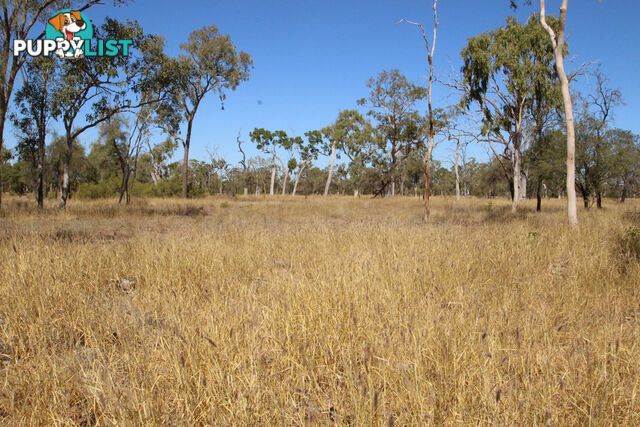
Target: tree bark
(558, 44)
(599, 199)
(516, 174)
(333, 160)
(185, 165)
(539, 195)
(273, 175)
(284, 182)
(457, 171)
(3, 116)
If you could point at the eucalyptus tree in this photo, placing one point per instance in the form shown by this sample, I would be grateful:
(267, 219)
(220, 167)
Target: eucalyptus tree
(349, 129)
(557, 37)
(34, 114)
(21, 20)
(391, 101)
(126, 141)
(158, 155)
(307, 152)
(107, 85)
(212, 63)
(269, 143)
(504, 71)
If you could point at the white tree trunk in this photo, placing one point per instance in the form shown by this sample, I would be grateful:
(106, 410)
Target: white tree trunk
(558, 45)
(284, 182)
(523, 186)
(273, 176)
(333, 160)
(516, 177)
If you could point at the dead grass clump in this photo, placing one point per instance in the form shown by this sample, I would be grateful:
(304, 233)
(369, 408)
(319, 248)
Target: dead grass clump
(629, 245)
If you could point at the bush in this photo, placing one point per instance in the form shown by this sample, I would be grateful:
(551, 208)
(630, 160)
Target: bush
(630, 244)
(90, 190)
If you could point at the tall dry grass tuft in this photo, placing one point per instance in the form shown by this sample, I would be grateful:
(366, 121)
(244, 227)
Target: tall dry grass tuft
(293, 311)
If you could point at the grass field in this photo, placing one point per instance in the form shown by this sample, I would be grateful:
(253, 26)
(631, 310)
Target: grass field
(310, 311)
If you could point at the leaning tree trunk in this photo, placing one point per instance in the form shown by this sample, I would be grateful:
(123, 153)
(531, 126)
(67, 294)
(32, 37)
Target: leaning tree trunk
(333, 160)
(558, 46)
(185, 164)
(284, 182)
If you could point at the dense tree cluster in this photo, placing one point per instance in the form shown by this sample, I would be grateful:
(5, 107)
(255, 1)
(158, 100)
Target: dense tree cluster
(511, 103)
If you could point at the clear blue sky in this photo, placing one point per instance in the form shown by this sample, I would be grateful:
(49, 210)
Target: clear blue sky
(312, 58)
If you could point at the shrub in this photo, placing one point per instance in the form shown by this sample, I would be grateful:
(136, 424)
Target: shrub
(90, 190)
(630, 244)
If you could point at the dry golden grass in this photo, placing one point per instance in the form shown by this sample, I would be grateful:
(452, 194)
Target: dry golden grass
(295, 311)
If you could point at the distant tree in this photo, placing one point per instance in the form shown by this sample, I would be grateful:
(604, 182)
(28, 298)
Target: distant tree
(503, 73)
(127, 141)
(392, 100)
(545, 159)
(107, 85)
(19, 21)
(212, 63)
(34, 114)
(349, 129)
(307, 152)
(269, 142)
(159, 154)
(244, 165)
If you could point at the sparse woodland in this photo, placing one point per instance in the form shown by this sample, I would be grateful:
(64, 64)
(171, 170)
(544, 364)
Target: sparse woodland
(383, 286)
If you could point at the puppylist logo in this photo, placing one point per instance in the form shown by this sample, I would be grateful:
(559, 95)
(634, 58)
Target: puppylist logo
(69, 34)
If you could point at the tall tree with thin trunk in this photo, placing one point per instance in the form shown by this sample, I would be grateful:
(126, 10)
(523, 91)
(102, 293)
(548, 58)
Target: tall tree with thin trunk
(558, 41)
(34, 115)
(504, 71)
(307, 152)
(107, 85)
(348, 127)
(212, 63)
(392, 102)
(268, 142)
(430, 54)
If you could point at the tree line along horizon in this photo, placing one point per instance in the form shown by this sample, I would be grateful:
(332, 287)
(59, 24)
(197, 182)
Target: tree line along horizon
(510, 102)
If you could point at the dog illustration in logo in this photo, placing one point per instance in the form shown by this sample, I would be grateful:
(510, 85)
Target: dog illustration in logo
(69, 23)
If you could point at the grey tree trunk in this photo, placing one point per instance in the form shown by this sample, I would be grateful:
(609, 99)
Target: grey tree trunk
(185, 165)
(558, 45)
(333, 160)
(457, 172)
